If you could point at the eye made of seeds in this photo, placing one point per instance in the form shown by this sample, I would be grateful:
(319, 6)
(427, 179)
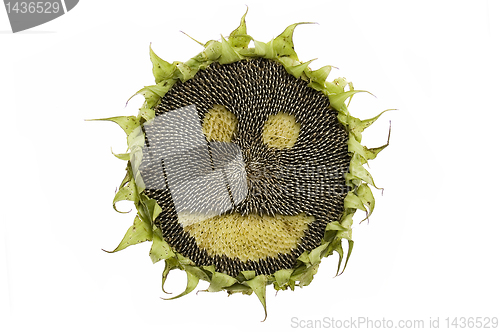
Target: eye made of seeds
(219, 124)
(281, 131)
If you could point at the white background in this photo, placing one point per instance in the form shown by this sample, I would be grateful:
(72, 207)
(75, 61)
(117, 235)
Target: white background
(430, 249)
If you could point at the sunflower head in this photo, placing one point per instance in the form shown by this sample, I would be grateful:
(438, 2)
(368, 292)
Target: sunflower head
(245, 166)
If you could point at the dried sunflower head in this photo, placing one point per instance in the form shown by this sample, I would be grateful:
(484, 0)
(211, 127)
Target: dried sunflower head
(245, 166)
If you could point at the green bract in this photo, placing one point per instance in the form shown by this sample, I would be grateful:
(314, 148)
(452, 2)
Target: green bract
(235, 48)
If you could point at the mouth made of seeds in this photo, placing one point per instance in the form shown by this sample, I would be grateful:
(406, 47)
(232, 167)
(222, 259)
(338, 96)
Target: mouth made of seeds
(248, 238)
